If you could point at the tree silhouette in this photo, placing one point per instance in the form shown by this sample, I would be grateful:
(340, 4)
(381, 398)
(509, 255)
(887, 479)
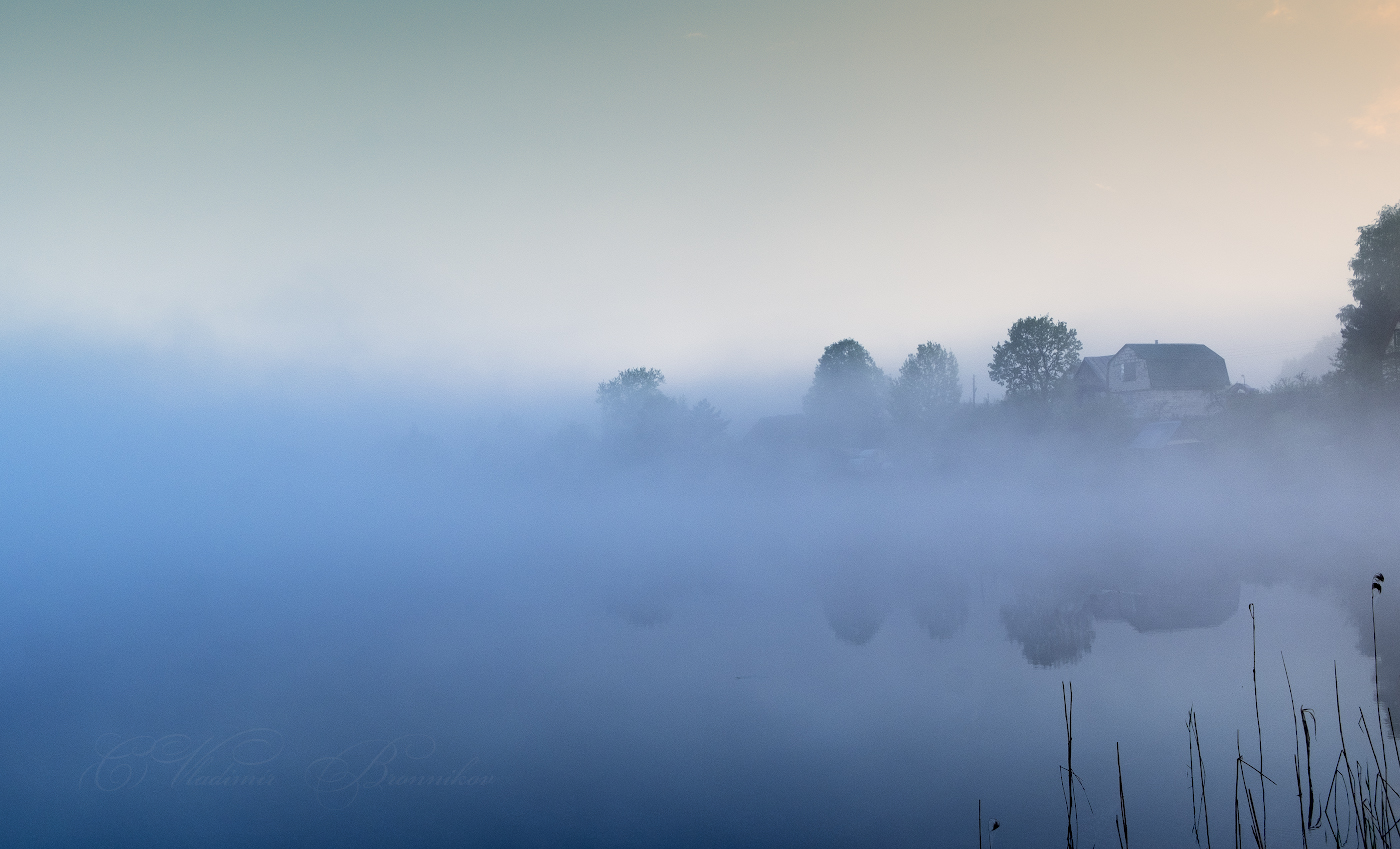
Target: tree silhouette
(1368, 326)
(639, 418)
(847, 397)
(927, 386)
(1036, 356)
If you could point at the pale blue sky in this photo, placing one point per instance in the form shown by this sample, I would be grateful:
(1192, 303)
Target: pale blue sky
(476, 194)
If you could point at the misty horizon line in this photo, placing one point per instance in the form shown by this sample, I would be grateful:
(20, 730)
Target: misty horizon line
(137, 365)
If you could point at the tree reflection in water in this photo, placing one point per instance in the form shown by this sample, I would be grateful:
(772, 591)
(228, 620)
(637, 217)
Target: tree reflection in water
(1050, 635)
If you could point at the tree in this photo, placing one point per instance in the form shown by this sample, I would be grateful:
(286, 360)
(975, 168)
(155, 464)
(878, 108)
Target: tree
(927, 385)
(1368, 326)
(703, 423)
(1036, 356)
(634, 395)
(640, 418)
(847, 396)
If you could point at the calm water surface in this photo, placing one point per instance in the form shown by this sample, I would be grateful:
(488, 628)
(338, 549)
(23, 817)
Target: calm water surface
(278, 648)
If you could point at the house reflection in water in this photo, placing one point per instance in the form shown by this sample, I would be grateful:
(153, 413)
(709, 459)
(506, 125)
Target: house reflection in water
(1054, 632)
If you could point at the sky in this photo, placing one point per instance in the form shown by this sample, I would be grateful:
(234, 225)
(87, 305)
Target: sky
(529, 196)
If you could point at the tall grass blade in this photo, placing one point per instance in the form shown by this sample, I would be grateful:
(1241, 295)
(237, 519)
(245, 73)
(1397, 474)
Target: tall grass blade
(1297, 753)
(1122, 803)
(1258, 725)
(1197, 764)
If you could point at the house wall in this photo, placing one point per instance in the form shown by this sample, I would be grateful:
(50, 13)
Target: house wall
(1162, 404)
(1126, 358)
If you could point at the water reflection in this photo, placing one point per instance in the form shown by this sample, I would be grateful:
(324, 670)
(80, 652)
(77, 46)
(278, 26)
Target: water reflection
(1168, 606)
(944, 615)
(1058, 632)
(1050, 634)
(855, 616)
(640, 664)
(1051, 617)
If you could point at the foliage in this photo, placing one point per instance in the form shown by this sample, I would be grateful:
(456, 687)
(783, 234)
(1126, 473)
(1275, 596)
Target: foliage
(847, 398)
(1368, 326)
(703, 422)
(1302, 382)
(634, 392)
(1037, 355)
(640, 419)
(927, 388)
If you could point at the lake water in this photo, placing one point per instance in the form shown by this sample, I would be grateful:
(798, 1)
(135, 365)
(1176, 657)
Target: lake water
(210, 644)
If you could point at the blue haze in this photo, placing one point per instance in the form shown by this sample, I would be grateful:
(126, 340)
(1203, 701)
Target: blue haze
(618, 654)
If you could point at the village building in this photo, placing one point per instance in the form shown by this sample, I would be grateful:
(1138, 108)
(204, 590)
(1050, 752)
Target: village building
(1158, 382)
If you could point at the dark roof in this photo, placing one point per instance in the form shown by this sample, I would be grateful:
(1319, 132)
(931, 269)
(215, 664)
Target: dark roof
(1093, 373)
(1182, 366)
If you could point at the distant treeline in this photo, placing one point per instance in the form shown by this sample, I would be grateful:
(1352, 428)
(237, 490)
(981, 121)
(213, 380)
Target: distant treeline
(865, 420)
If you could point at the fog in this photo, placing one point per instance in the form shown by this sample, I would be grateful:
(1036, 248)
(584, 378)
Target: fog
(344, 504)
(263, 615)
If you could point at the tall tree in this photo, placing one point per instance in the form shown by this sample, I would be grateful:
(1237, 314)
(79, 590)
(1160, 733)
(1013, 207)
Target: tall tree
(1036, 356)
(927, 386)
(848, 392)
(1368, 326)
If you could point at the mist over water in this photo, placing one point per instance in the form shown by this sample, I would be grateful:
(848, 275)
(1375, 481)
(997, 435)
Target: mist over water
(260, 618)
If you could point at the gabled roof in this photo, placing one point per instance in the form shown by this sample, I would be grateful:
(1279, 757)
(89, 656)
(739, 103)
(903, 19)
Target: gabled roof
(1181, 366)
(1093, 373)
